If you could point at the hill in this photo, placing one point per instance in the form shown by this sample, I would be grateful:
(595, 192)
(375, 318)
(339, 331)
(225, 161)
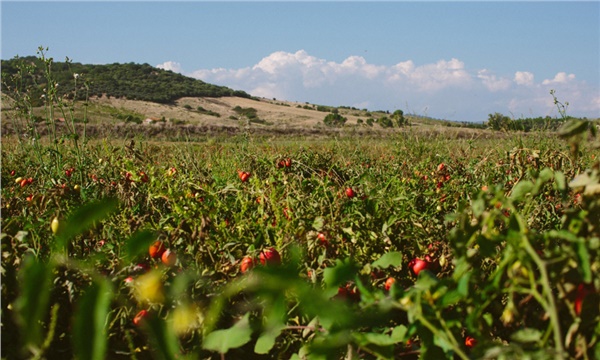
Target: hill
(124, 81)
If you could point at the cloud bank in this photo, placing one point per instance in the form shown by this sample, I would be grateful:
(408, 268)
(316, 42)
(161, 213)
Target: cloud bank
(444, 89)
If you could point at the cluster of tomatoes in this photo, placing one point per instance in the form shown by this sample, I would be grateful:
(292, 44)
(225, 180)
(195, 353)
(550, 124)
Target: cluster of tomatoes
(267, 257)
(24, 181)
(158, 251)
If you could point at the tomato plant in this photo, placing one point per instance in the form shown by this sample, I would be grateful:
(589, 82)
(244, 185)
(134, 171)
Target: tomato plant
(440, 248)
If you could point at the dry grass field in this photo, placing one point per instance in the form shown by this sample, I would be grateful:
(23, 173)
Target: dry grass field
(217, 115)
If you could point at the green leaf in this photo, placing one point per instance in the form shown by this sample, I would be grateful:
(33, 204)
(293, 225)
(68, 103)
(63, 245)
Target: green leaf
(584, 260)
(266, 341)
(560, 181)
(374, 338)
(463, 284)
(527, 335)
(393, 258)
(89, 335)
(451, 298)
(318, 223)
(478, 207)
(236, 336)
(545, 175)
(425, 280)
(138, 243)
(275, 314)
(35, 279)
(573, 127)
(521, 189)
(399, 333)
(163, 339)
(340, 273)
(442, 341)
(83, 219)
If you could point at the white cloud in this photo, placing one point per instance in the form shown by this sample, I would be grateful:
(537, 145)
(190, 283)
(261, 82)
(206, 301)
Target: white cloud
(560, 78)
(170, 65)
(492, 82)
(523, 78)
(430, 77)
(443, 89)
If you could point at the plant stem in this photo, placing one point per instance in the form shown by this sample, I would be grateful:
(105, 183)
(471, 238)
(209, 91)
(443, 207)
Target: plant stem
(547, 290)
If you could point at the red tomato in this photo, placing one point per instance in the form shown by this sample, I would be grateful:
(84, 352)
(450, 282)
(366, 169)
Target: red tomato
(137, 320)
(582, 291)
(247, 264)
(156, 250)
(350, 193)
(470, 342)
(243, 175)
(270, 257)
(322, 239)
(417, 265)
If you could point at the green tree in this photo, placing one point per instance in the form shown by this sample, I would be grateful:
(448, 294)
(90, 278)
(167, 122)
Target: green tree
(334, 120)
(497, 121)
(385, 122)
(399, 119)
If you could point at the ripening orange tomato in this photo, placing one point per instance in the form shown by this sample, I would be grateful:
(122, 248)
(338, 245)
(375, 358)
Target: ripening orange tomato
(389, 282)
(169, 257)
(243, 175)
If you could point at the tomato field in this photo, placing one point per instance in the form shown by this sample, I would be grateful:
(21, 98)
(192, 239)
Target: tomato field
(403, 247)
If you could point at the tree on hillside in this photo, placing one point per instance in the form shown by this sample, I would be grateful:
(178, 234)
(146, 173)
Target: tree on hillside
(334, 120)
(385, 122)
(399, 119)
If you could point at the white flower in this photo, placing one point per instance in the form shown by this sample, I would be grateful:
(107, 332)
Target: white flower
(75, 75)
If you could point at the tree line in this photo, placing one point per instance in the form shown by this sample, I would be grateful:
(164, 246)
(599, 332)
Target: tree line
(498, 121)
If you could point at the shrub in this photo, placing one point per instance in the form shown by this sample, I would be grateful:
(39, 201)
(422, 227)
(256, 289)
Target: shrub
(334, 120)
(385, 122)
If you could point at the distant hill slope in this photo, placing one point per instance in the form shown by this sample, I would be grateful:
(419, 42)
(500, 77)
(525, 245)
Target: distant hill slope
(131, 81)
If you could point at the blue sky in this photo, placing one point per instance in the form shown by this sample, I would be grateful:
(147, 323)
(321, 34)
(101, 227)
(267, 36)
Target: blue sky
(454, 60)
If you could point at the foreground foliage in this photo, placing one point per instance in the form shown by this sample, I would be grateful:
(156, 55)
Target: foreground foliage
(401, 248)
